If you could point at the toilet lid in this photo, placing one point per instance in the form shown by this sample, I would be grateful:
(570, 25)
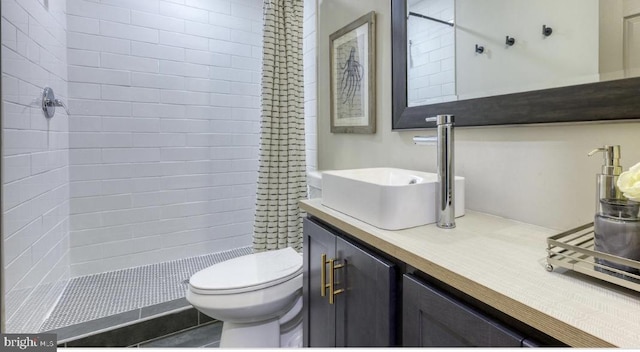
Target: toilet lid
(248, 273)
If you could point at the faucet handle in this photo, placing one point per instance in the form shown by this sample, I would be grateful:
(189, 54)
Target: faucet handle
(440, 119)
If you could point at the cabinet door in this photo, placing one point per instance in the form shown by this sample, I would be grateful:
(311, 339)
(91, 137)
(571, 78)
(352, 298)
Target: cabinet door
(319, 315)
(365, 311)
(431, 318)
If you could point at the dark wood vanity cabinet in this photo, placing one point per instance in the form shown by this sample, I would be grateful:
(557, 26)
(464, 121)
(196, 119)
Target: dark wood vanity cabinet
(432, 318)
(349, 293)
(365, 311)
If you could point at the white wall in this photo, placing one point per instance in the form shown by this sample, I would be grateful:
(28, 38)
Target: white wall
(35, 168)
(534, 61)
(164, 98)
(310, 70)
(536, 174)
(431, 53)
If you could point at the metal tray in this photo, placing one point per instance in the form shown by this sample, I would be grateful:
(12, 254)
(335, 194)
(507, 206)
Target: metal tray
(574, 250)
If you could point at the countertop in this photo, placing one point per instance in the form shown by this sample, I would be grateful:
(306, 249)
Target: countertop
(502, 263)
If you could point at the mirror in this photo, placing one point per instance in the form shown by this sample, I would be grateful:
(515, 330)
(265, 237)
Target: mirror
(543, 77)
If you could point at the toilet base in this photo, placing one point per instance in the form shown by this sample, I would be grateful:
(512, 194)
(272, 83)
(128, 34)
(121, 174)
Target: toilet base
(283, 332)
(260, 335)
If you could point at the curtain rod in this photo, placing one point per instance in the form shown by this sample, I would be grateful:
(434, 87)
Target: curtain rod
(430, 18)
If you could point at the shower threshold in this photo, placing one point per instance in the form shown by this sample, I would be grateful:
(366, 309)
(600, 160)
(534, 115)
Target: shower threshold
(134, 297)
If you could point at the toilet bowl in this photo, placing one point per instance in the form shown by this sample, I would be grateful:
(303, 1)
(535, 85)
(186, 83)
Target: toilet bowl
(258, 297)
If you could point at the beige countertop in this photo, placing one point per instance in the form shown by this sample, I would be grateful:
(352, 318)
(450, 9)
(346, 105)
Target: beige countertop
(502, 263)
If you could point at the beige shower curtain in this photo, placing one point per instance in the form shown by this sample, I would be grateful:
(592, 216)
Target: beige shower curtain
(282, 177)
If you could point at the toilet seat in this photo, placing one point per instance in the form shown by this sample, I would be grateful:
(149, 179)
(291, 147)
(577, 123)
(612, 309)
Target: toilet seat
(248, 273)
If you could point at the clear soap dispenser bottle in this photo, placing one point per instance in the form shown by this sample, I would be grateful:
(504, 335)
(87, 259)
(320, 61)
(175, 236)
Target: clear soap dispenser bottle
(616, 222)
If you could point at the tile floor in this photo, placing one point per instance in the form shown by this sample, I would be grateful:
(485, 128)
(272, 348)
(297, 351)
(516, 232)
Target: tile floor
(99, 296)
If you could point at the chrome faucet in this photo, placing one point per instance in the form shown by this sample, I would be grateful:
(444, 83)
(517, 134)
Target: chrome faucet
(446, 173)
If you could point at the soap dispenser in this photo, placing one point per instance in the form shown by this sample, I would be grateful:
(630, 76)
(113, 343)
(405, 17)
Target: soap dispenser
(616, 222)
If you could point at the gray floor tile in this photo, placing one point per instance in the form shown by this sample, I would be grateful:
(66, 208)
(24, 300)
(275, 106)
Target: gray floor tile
(198, 337)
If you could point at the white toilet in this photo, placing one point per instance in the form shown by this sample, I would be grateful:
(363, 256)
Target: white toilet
(258, 297)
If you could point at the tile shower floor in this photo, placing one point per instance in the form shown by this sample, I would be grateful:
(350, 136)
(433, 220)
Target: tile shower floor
(102, 295)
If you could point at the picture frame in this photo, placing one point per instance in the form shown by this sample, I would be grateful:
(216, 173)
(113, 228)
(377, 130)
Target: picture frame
(352, 51)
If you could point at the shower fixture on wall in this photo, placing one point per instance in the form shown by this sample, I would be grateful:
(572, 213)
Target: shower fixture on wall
(49, 103)
(479, 49)
(546, 31)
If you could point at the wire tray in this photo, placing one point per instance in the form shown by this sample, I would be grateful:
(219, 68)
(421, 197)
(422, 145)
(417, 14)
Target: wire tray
(574, 250)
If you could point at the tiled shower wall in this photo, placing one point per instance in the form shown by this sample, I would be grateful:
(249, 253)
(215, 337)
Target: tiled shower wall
(164, 129)
(310, 94)
(431, 49)
(35, 161)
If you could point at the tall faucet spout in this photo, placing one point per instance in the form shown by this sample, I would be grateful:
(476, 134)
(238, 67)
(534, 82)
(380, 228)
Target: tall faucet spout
(446, 171)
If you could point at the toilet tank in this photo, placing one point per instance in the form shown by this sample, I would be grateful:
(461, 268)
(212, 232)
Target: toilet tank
(314, 184)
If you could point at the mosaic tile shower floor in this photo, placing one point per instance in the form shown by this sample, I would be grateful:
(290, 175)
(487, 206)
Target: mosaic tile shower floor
(97, 296)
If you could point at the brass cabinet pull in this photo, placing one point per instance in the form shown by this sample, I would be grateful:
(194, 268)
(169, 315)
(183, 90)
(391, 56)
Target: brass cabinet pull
(332, 291)
(323, 276)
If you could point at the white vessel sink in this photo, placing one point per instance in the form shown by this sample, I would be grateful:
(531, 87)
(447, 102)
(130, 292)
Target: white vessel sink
(391, 199)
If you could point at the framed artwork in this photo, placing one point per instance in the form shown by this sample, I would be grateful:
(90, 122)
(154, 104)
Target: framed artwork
(353, 77)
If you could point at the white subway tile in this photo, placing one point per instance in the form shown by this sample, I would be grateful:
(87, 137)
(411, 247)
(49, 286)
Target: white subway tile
(120, 93)
(226, 47)
(98, 43)
(222, 6)
(155, 80)
(98, 75)
(16, 167)
(183, 12)
(184, 154)
(157, 51)
(250, 89)
(117, 186)
(116, 124)
(244, 37)
(83, 58)
(158, 110)
(100, 203)
(230, 22)
(99, 235)
(184, 97)
(79, 123)
(126, 31)
(83, 24)
(128, 63)
(243, 11)
(130, 216)
(184, 69)
(207, 85)
(151, 20)
(207, 58)
(99, 108)
(114, 14)
(84, 188)
(183, 40)
(84, 91)
(125, 155)
(207, 30)
(83, 8)
(208, 112)
(230, 74)
(140, 5)
(20, 241)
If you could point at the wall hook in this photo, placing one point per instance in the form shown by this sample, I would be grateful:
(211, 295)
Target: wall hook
(479, 49)
(546, 31)
(510, 41)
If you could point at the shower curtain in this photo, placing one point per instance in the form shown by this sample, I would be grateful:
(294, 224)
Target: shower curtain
(282, 175)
